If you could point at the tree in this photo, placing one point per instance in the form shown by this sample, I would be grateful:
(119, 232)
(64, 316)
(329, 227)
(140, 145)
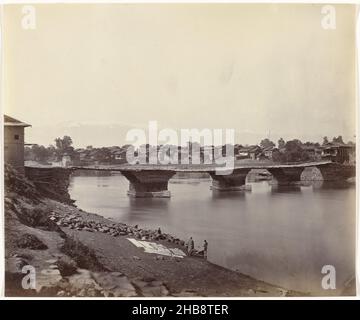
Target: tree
(103, 155)
(265, 143)
(325, 140)
(28, 154)
(63, 146)
(312, 144)
(63, 143)
(278, 156)
(294, 151)
(40, 153)
(338, 139)
(52, 151)
(281, 143)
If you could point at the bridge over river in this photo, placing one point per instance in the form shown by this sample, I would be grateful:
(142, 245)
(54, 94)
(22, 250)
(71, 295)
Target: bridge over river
(152, 180)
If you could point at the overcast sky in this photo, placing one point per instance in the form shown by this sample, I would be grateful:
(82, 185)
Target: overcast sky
(94, 71)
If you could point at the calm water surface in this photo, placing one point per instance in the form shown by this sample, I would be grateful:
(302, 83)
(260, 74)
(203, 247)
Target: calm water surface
(280, 235)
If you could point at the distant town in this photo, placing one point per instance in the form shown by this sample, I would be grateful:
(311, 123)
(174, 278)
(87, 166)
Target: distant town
(62, 153)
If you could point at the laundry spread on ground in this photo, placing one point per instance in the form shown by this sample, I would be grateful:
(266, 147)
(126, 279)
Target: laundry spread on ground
(152, 247)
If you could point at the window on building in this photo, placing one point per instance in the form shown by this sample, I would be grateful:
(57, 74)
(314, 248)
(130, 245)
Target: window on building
(16, 137)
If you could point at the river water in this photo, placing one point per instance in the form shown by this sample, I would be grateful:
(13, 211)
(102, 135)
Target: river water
(280, 235)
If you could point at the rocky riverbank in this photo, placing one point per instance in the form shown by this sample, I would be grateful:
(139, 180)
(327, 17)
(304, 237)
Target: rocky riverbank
(75, 253)
(79, 220)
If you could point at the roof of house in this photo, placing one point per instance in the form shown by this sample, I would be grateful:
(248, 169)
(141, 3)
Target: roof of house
(249, 149)
(337, 145)
(12, 122)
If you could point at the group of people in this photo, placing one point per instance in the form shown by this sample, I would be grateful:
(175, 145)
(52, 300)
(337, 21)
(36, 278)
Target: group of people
(191, 248)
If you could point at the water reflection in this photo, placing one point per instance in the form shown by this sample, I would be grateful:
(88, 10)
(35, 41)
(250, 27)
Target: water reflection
(154, 203)
(331, 185)
(221, 195)
(285, 189)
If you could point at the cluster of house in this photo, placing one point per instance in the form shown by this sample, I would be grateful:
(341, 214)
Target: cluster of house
(14, 151)
(90, 155)
(334, 151)
(117, 155)
(337, 152)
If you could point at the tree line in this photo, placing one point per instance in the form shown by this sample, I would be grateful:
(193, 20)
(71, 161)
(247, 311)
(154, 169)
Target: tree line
(285, 151)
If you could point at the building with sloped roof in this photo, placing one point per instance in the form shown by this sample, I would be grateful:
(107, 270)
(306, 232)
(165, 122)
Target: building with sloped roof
(338, 152)
(14, 140)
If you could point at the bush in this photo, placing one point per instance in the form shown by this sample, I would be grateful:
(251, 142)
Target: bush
(30, 241)
(84, 257)
(66, 266)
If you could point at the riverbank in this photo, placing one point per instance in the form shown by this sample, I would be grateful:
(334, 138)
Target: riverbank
(188, 276)
(76, 253)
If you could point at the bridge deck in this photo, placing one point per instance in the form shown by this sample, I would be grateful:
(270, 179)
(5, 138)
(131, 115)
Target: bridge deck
(199, 168)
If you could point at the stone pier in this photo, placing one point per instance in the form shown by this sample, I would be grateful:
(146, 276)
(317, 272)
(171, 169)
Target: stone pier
(287, 175)
(337, 172)
(148, 183)
(232, 182)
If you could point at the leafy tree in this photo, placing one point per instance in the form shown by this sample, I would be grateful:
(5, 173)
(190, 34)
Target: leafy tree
(64, 146)
(103, 155)
(312, 144)
(325, 140)
(40, 153)
(278, 156)
(265, 143)
(338, 139)
(28, 155)
(64, 143)
(52, 151)
(281, 143)
(294, 151)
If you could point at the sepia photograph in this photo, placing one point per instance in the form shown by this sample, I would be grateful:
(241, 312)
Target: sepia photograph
(179, 150)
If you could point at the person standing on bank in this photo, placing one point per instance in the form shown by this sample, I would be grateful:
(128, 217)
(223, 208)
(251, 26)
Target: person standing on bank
(190, 246)
(205, 249)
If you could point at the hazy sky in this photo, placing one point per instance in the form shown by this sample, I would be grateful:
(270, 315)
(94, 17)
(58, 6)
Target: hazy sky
(94, 71)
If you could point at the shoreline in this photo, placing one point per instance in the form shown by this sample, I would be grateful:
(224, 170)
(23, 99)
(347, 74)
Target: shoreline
(187, 276)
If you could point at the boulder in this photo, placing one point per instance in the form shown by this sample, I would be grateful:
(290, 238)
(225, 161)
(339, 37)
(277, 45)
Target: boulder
(115, 284)
(47, 281)
(152, 289)
(83, 281)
